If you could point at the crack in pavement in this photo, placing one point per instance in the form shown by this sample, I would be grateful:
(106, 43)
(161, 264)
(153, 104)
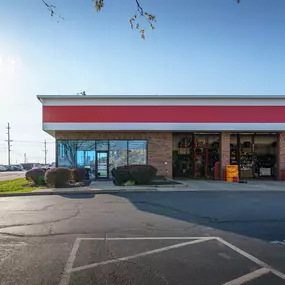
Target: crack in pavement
(56, 206)
(114, 231)
(41, 223)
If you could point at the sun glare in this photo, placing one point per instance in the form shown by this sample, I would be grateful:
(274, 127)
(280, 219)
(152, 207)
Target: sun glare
(8, 65)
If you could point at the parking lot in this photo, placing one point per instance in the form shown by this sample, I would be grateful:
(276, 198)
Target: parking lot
(165, 260)
(143, 238)
(11, 175)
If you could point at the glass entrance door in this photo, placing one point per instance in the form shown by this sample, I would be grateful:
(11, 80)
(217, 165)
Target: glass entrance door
(102, 169)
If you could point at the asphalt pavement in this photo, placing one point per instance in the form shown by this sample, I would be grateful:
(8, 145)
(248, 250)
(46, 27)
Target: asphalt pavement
(144, 238)
(10, 175)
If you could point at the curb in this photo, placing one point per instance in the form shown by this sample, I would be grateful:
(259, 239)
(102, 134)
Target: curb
(117, 191)
(80, 192)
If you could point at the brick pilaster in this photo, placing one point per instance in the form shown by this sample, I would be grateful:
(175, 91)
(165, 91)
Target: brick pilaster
(225, 151)
(280, 155)
(160, 152)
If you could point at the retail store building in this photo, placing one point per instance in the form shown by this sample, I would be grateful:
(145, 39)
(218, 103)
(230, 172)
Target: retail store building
(182, 136)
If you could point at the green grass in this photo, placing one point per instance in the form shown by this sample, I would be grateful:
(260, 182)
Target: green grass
(16, 186)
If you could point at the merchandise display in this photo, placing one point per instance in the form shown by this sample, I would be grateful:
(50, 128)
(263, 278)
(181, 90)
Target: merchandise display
(255, 160)
(196, 156)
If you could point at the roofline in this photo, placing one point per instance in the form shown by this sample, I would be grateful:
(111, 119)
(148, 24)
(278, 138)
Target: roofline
(80, 97)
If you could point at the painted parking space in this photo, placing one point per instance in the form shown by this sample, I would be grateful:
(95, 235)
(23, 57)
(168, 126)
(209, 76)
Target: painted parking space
(166, 260)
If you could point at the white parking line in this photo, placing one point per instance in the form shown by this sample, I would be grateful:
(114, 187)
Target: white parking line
(149, 238)
(66, 276)
(248, 277)
(68, 270)
(252, 258)
(69, 265)
(146, 253)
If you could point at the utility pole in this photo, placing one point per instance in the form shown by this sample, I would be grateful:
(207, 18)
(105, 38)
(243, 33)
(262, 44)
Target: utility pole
(45, 151)
(9, 144)
(25, 158)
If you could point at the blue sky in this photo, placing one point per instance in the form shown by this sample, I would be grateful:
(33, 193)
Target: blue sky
(199, 47)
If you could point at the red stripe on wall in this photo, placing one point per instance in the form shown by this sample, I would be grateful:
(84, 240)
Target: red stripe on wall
(164, 114)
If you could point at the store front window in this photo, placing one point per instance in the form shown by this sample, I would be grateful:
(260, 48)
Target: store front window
(137, 152)
(118, 154)
(85, 157)
(195, 155)
(101, 156)
(102, 145)
(255, 154)
(66, 153)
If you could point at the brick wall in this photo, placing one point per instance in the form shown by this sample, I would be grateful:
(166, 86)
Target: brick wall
(280, 154)
(225, 150)
(159, 144)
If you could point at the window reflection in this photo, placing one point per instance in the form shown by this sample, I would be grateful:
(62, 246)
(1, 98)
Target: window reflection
(66, 153)
(82, 153)
(118, 154)
(137, 152)
(102, 145)
(85, 153)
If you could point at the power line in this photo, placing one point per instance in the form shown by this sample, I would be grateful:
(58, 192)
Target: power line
(40, 142)
(9, 144)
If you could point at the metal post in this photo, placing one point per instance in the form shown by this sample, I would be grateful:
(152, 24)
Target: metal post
(9, 144)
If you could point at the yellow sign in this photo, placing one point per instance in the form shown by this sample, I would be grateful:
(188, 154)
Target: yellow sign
(232, 171)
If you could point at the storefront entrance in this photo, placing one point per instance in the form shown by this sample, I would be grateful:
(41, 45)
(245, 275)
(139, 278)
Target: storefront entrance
(195, 155)
(255, 154)
(102, 165)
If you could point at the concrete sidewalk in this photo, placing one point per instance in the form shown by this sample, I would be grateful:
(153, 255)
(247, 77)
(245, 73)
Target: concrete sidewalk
(186, 185)
(107, 187)
(251, 185)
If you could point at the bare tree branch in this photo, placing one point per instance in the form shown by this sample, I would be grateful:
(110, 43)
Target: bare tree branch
(50, 7)
(52, 10)
(140, 9)
(99, 4)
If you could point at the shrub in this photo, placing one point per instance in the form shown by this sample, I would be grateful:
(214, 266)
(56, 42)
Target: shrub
(140, 174)
(79, 174)
(35, 175)
(57, 177)
(121, 175)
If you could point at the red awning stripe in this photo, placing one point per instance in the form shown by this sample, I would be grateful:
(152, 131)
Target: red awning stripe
(164, 114)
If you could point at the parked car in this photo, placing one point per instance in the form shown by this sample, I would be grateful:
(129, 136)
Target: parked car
(3, 168)
(27, 166)
(18, 167)
(52, 165)
(9, 168)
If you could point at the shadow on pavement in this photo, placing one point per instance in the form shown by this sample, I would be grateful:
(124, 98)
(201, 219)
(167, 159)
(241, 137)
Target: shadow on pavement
(255, 214)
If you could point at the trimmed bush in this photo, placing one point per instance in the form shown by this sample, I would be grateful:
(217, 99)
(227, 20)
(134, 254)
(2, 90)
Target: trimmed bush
(57, 177)
(121, 175)
(140, 174)
(35, 175)
(79, 174)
